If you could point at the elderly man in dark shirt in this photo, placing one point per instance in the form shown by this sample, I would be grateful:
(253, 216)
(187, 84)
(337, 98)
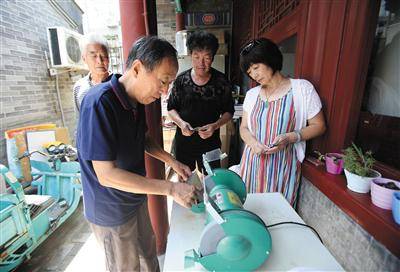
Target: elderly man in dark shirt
(112, 141)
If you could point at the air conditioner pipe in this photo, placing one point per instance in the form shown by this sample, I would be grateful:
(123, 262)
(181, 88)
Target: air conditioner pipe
(57, 86)
(59, 102)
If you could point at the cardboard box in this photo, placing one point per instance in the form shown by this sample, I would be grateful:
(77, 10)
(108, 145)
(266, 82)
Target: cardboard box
(17, 146)
(222, 49)
(219, 33)
(226, 132)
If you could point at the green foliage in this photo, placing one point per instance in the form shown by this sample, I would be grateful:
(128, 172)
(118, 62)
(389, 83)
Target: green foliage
(357, 162)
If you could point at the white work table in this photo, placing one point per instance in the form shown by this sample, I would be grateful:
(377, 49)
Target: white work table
(293, 247)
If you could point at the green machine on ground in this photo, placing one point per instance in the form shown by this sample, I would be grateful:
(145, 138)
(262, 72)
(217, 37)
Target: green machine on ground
(233, 238)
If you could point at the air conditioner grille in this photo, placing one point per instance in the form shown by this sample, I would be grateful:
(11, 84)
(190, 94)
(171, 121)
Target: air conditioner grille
(65, 48)
(73, 49)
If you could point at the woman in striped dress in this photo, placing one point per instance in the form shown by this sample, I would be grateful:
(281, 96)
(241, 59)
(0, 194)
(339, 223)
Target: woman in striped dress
(279, 115)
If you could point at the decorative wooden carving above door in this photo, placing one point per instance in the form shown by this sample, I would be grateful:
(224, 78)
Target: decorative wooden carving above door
(272, 11)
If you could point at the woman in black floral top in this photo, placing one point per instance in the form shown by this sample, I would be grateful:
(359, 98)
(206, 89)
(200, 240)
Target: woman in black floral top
(200, 102)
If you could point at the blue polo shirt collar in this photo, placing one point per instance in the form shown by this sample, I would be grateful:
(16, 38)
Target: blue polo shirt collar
(121, 93)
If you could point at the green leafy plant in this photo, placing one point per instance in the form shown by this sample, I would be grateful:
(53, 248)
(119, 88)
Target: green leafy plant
(357, 162)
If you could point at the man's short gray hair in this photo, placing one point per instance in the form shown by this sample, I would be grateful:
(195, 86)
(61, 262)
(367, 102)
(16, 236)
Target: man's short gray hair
(94, 38)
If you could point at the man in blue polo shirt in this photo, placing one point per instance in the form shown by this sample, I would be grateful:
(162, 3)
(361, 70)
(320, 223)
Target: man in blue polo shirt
(111, 142)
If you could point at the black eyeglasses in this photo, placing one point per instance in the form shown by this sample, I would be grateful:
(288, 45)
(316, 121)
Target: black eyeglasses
(249, 46)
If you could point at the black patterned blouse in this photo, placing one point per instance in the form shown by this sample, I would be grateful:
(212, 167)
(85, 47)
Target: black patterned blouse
(201, 105)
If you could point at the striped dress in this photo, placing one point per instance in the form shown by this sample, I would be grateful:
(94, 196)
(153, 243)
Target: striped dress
(279, 172)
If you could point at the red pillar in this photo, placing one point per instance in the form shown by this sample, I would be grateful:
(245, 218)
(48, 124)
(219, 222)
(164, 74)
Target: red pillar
(132, 23)
(180, 21)
(133, 26)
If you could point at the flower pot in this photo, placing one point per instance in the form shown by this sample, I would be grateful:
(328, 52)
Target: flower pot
(381, 196)
(358, 183)
(334, 163)
(396, 207)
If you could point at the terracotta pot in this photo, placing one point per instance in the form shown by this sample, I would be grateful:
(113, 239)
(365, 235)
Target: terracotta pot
(358, 183)
(396, 207)
(381, 196)
(334, 166)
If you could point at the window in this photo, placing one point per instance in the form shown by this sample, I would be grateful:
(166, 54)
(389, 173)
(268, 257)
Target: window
(379, 123)
(288, 49)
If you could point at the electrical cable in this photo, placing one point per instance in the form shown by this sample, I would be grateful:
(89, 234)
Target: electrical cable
(277, 224)
(296, 223)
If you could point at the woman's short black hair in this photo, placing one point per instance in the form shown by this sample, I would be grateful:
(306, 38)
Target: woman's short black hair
(151, 50)
(261, 51)
(202, 40)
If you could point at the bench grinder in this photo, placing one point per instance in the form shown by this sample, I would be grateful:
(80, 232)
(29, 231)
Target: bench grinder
(233, 238)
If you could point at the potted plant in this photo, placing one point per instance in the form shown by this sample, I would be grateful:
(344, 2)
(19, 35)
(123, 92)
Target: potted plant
(358, 169)
(382, 191)
(333, 162)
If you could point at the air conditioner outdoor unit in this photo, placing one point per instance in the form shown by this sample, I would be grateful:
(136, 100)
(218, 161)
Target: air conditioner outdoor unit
(65, 48)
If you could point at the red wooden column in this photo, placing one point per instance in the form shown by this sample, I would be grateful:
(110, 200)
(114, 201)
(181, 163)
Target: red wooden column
(133, 24)
(179, 16)
(180, 21)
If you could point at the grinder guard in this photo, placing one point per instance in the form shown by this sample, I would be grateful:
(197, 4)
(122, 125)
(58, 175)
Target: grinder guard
(234, 238)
